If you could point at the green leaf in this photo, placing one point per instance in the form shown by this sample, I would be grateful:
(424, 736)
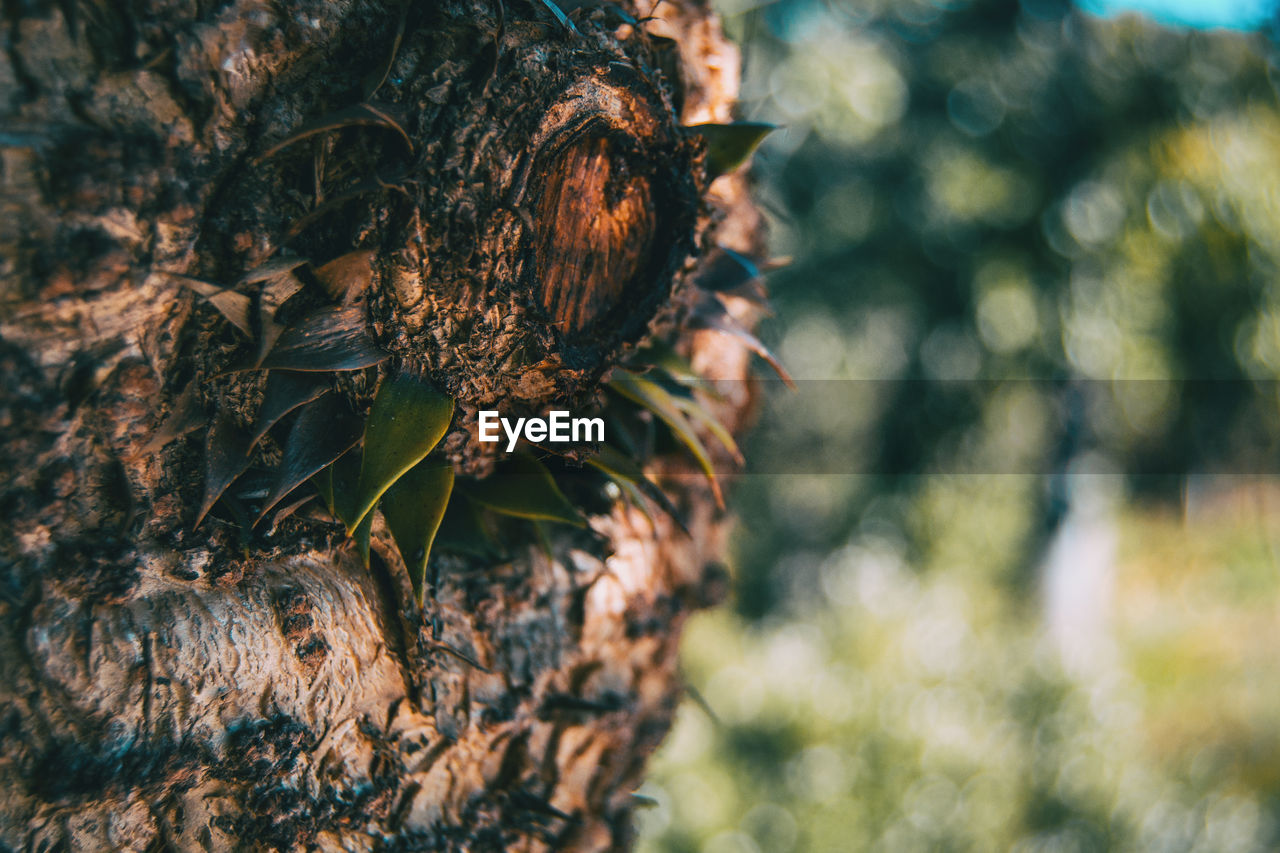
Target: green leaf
(544, 539)
(374, 80)
(299, 498)
(726, 270)
(616, 464)
(658, 400)
(407, 420)
(628, 474)
(337, 485)
(733, 273)
(414, 506)
(226, 457)
(729, 145)
(324, 485)
(285, 392)
(524, 488)
(462, 531)
(710, 313)
(239, 516)
(325, 430)
(667, 366)
(663, 355)
(362, 536)
(185, 415)
(630, 434)
(635, 498)
(693, 409)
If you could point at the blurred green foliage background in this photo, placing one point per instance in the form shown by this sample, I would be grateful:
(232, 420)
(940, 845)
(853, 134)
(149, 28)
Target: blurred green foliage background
(1039, 608)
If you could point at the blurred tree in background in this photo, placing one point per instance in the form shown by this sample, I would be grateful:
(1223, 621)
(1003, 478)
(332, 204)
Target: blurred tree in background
(1031, 603)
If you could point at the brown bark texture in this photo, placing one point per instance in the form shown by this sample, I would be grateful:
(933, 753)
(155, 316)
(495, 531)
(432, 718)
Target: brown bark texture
(506, 204)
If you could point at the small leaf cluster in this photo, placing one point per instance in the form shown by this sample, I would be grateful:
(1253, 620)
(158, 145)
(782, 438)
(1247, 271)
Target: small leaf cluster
(339, 461)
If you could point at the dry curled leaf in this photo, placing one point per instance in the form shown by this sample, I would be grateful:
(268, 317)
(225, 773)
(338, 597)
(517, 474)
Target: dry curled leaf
(329, 339)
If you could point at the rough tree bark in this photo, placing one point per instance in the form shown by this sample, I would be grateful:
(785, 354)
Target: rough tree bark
(512, 204)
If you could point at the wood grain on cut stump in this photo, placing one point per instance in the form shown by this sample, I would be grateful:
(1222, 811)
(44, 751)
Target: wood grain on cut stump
(596, 226)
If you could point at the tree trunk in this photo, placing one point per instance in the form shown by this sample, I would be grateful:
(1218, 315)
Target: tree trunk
(509, 204)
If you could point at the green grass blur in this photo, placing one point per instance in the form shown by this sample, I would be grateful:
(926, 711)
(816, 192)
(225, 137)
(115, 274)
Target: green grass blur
(1040, 614)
